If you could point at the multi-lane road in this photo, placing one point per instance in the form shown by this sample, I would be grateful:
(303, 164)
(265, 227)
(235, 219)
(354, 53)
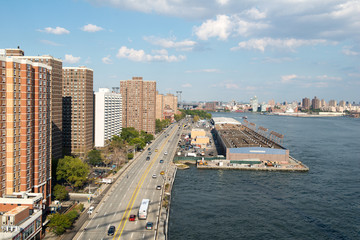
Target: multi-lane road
(125, 196)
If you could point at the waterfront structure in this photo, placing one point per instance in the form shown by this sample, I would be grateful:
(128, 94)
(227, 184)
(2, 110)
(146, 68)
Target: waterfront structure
(254, 103)
(78, 110)
(243, 144)
(166, 106)
(139, 104)
(25, 142)
(56, 101)
(211, 106)
(306, 103)
(108, 117)
(315, 103)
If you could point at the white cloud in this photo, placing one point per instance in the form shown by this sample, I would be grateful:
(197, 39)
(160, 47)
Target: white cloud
(226, 85)
(237, 24)
(222, 2)
(71, 59)
(209, 70)
(347, 50)
(185, 45)
(288, 78)
(329, 78)
(262, 44)
(254, 13)
(141, 56)
(91, 28)
(57, 30)
(50, 43)
(106, 60)
(186, 85)
(221, 28)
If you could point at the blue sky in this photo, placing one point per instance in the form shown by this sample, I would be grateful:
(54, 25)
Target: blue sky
(208, 49)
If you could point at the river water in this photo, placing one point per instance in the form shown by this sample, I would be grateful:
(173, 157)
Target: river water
(323, 203)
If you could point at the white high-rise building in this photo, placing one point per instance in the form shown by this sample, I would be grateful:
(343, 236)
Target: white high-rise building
(108, 115)
(254, 103)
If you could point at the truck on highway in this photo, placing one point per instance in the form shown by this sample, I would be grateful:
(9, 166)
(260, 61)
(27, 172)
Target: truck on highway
(107, 180)
(191, 154)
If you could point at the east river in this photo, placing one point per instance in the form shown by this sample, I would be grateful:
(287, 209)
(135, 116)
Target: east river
(323, 203)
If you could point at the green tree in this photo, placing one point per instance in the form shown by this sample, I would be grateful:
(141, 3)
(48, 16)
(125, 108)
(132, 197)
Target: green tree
(196, 118)
(130, 156)
(94, 157)
(129, 133)
(60, 192)
(73, 171)
(146, 136)
(72, 215)
(139, 143)
(59, 223)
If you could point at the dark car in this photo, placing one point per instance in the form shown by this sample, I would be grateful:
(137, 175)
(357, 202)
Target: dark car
(149, 149)
(149, 226)
(111, 231)
(147, 158)
(161, 161)
(132, 218)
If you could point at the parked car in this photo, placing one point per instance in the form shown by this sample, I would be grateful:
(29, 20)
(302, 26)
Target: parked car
(111, 231)
(149, 226)
(162, 173)
(132, 218)
(165, 153)
(154, 176)
(91, 209)
(161, 161)
(147, 158)
(158, 187)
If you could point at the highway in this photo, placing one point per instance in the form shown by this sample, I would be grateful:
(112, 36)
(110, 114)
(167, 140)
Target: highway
(125, 196)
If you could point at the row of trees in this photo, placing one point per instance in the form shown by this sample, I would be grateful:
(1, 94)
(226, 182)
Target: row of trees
(60, 222)
(161, 124)
(200, 113)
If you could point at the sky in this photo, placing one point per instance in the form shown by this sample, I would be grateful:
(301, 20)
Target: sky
(211, 50)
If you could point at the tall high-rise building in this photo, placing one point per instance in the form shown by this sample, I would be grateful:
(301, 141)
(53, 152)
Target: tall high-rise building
(332, 103)
(315, 103)
(254, 104)
(139, 104)
(25, 142)
(56, 101)
(108, 117)
(78, 110)
(306, 103)
(166, 106)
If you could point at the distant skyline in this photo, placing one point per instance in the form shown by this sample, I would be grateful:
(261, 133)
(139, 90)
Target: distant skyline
(209, 49)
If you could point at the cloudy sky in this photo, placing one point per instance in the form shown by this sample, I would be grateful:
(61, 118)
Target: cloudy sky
(208, 49)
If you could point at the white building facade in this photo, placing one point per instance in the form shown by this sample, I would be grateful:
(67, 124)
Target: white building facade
(108, 116)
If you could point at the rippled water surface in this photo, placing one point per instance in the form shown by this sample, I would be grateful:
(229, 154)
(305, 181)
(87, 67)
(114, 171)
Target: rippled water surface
(321, 204)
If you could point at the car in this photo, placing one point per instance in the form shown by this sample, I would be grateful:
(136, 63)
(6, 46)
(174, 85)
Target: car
(162, 173)
(111, 231)
(132, 218)
(158, 187)
(149, 149)
(154, 176)
(161, 161)
(149, 153)
(91, 209)
(147, 158)
(149, 226)
(156, 150)
(165, 153)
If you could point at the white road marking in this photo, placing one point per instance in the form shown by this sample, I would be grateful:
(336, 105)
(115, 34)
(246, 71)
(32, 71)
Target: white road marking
(131, 235)
(144, 235)
(97, 226)
(105, 213)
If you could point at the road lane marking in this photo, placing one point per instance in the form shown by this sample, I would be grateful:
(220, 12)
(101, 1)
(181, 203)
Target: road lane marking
(97, 226)
(136, 192)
